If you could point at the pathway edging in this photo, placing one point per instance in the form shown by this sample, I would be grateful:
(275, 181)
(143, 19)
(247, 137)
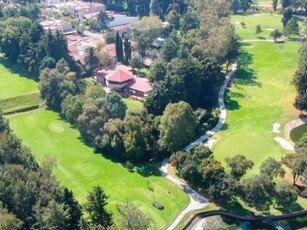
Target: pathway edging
(197, 201)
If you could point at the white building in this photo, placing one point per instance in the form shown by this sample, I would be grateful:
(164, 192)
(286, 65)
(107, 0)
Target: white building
(56, 25)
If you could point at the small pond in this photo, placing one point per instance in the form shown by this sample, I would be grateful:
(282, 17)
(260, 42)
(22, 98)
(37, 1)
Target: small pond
(298, 132)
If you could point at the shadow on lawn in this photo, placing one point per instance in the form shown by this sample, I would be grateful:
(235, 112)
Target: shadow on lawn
(230, 103)
(245, 75)
(15, 69)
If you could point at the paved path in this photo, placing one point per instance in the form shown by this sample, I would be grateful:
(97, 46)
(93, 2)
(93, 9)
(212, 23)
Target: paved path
(197, 201)
(293, 124)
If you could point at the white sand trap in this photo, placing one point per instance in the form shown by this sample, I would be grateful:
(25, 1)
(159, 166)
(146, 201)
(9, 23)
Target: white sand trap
(275, 128)
(210, 143)
(236, 22)
(270, 29)
(285, 144)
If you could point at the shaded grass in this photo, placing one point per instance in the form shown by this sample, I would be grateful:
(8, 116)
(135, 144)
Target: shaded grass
(297, 133)
(79, 168)
(263, 95)
(19, 102)
(132, 104)
(13, 83)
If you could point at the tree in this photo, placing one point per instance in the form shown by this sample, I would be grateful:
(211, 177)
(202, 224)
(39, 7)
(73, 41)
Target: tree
(168, 50)
(271, 168)
(292, 27)
(132, 218)
(103, 21)
(301, 145)
(297, 163)
(114, 105)
(258, 29)
(300, 102)
(258, 191)
(285, 195)
(127, 50)
(274, 4)
(275, 34)
(9, 221)
(157, 71)
(95, 206)
(74, 208)
(177, 126)
(56, 216)
(119, 48)
(71, 108)
(189, 21)
(300, 76)
(91, 58)
(239, 164)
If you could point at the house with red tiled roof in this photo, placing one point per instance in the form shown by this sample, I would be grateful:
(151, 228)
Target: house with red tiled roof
(121, 79)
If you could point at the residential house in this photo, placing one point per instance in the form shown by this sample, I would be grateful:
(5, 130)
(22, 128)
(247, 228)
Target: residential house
(56, 25)
(121, 79)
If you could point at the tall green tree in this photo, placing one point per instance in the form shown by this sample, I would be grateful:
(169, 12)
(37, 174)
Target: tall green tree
(177, 126)
(292, 27)
(297, 163)
(271, 168)
(119, 48)
(96, 207)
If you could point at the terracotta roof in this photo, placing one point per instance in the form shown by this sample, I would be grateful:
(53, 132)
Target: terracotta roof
(119, 76)
(91, 15)
(122, 27)
(140, 85)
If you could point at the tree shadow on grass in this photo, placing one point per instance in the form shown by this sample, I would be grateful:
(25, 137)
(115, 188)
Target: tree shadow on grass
(232, 206)
(290, 208)
(230, 103)
(147, 170)
(245, 75)
(16, 69)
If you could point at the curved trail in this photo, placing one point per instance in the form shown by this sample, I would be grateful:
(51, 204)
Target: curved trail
(197, 201)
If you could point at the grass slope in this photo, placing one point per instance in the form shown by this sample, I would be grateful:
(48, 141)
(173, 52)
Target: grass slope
(132, 104)
(260, 95)
(13, 84)
(80, 169)
(19, 102)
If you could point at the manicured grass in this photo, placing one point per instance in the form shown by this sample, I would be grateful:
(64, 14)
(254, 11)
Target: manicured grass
(132, 104)
(79, 168)
(19, 102)
(266, 21)
(298, 132)
(13, 84)
(260, 95)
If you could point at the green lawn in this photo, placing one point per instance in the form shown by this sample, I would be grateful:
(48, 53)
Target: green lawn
(266, 21)
(80, 169)
(133, 104)
(13, 84)
(260, 95)
(19, 102)
(298, 132)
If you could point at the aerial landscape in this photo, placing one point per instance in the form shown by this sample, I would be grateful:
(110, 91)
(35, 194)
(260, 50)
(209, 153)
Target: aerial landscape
(153, 114)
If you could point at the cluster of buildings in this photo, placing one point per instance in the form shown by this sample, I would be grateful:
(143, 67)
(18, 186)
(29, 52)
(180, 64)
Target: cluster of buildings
(117, 78)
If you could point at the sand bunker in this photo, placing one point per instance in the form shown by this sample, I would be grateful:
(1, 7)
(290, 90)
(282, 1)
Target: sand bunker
(236, 22)
(210, 143)
(284, 144)
(270, 29)
(275, 128)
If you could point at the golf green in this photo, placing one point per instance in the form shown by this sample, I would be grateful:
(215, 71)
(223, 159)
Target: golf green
(79, 168)
(259, 96)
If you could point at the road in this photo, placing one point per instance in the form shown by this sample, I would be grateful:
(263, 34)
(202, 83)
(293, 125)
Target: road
(197, 201)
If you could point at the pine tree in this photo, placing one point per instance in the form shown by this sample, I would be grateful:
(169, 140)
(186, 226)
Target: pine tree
(95, 207)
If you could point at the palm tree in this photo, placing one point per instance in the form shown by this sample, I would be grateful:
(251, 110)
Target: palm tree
(91, 58)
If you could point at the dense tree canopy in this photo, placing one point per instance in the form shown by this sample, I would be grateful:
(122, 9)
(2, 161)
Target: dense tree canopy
(177, 127)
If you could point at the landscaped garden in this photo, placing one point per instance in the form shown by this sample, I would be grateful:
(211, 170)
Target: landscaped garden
(79, 168)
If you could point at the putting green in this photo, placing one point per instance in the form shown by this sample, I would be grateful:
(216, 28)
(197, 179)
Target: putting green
(79, 168)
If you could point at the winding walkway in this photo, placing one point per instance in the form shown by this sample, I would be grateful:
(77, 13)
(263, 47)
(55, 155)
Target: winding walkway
(197, 201)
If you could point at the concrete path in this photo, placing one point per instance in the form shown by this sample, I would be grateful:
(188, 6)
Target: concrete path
(293, 124)
(197, 201)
